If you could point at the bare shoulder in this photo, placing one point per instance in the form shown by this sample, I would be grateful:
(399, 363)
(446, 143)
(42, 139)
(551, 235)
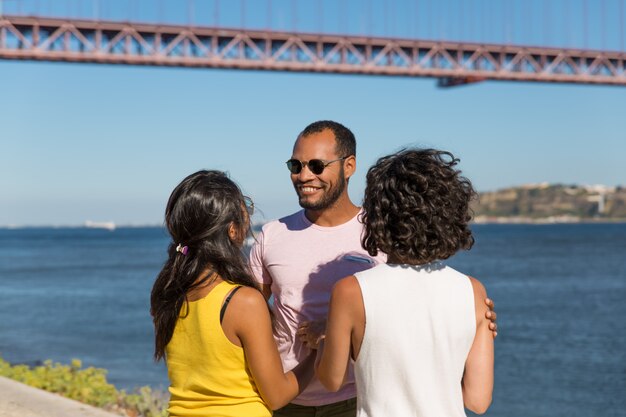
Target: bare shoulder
(480, 295)
(479, 288)
(346, 288)
(249, 299)
(248, 314)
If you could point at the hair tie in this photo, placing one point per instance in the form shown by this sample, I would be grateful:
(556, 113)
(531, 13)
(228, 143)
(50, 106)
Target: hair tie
(182, 249)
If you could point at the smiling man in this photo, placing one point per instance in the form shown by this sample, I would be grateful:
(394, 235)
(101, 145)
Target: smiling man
(299, 258)
(321, 167)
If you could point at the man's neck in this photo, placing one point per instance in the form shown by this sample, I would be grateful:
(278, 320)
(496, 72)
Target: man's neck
(335, 215)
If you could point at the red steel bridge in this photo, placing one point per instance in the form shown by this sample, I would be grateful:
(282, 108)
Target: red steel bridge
(81, 39)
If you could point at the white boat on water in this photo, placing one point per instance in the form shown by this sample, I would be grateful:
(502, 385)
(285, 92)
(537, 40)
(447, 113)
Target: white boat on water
(100, 225)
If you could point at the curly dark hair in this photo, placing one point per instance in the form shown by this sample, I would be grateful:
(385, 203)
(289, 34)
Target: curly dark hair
(346, 142)
(416, 207)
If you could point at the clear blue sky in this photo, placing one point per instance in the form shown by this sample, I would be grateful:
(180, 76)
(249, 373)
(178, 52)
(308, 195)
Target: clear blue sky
(104, 143)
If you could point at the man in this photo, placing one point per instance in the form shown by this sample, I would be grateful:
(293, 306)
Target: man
(299, 258)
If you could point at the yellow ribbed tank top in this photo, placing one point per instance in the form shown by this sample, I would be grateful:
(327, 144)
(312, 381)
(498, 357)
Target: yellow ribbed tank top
(208, 374)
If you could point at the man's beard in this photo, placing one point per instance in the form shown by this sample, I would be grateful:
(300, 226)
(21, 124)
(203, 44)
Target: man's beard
(329, 198)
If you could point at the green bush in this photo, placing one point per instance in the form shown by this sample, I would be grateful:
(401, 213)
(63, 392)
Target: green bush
(89, 386)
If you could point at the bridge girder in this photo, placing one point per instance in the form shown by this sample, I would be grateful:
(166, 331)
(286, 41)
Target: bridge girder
(454, 63)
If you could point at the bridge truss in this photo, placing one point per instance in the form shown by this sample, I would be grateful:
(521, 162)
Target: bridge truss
(453, 63)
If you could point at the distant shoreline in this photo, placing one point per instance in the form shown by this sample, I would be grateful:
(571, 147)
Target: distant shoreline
(479, 220)
(545, 220)
(78, 226)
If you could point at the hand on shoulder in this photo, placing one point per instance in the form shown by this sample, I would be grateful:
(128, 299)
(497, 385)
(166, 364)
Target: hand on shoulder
(484, 306)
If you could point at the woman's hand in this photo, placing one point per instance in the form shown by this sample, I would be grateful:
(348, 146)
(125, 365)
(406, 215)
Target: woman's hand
(312, 332)
(491, 316)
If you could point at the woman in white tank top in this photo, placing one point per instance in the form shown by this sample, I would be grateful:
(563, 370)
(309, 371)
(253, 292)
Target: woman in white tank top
(415, 328)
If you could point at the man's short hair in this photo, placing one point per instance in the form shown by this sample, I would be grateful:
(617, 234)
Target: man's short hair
(346, 143)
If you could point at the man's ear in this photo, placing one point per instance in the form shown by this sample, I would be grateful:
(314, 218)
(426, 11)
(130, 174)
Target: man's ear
(349, 166)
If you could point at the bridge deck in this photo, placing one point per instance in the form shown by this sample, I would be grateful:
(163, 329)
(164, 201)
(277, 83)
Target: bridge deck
(72, 40)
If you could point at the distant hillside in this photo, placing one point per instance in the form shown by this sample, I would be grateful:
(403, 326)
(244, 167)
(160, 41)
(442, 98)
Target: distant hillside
(552, 202)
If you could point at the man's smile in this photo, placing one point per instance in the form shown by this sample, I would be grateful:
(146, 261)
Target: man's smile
(308, 189)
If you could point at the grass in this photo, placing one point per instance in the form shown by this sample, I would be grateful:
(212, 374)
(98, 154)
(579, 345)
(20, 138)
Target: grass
(89, 386)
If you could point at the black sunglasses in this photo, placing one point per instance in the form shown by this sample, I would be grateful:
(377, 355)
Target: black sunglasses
(316, 166)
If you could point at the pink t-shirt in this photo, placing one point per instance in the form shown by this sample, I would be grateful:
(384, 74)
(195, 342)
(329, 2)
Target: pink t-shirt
(302, 261)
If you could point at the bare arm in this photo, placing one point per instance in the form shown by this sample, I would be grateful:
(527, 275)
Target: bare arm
(477, 380)
(345, 315)
(250, 319)
(260, 272)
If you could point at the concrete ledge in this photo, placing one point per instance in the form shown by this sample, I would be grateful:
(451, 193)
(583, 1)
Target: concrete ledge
(19, 400)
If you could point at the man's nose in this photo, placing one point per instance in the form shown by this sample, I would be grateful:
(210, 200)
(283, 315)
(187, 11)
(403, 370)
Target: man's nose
(306, 174)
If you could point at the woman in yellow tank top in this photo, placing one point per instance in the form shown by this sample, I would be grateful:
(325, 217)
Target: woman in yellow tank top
(212, 324)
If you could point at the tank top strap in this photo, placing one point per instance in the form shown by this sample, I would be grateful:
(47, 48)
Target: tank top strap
(211, 304)
(226, 301)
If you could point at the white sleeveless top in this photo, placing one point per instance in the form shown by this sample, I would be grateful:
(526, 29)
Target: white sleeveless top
(419, 327)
